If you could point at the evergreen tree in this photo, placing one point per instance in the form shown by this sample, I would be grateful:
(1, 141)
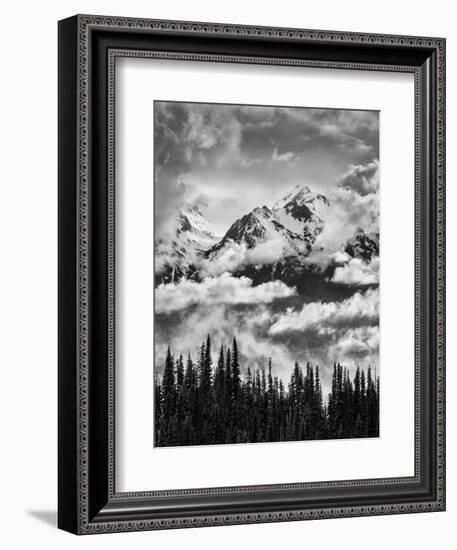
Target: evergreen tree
(235, 371)
(198, 405)
(363, 406)
(357, 405)
(179, 372)
(270, 399)
(206, 360)
(168, 385)
(189, 376)
(219, 377)
(228, 384)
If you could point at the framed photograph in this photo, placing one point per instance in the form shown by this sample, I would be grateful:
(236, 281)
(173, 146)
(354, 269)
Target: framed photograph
(251, 274)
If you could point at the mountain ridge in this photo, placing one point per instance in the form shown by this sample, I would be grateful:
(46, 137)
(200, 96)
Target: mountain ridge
(292, 225)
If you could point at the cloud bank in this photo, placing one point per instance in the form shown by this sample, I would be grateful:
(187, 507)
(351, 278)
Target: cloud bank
(224, 289)
(327, 318)
(357, 272)
(363, 178)
(235, 256)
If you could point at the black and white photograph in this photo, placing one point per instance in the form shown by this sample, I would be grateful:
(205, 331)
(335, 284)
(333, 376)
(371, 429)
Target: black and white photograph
(266, 273)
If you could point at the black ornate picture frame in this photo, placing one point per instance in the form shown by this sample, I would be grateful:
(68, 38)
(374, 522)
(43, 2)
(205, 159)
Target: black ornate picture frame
(88, 47)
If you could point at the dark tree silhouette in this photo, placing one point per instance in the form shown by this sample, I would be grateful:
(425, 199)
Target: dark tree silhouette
(202, 405)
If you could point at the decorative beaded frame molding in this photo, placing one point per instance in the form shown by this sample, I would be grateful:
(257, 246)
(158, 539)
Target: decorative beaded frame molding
(81, 522)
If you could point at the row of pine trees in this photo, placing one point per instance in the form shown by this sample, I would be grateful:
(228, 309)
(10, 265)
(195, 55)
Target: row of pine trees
(198, 403)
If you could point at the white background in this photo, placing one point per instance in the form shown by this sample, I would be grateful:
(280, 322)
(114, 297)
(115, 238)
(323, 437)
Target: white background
(141, 467)
(28, 287)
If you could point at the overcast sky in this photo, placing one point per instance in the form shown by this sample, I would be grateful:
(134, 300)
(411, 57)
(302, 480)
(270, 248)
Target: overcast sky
(231, 158)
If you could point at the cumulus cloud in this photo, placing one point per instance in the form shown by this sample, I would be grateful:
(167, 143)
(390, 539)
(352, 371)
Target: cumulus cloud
(282, 157)
(362, 178)
(354, 206)
(341, 257)
(247, 162)
(224, 289)
(359, 309)
(349, 212)
(357, 272)
(235, 256)
(357, 343)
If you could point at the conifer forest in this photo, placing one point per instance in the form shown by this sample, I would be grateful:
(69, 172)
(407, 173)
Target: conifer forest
(204, 401)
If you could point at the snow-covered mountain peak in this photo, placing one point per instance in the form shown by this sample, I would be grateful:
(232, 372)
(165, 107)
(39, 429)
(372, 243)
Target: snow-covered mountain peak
(262, 212)
(252, 228)
(178, 254)
(302, 211)
(299, 196)
(191, 219)
(288, 196)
